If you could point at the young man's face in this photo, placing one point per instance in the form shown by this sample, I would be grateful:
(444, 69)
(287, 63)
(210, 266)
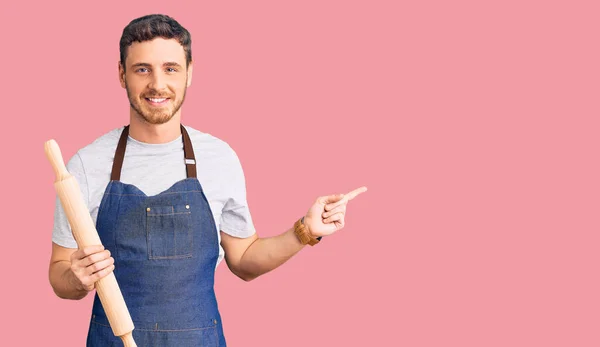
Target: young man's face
(156, 78)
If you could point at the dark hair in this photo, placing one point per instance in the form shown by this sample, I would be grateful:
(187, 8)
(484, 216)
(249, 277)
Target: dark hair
(149, 27)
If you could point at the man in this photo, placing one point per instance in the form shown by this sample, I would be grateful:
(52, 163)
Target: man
(169, 204)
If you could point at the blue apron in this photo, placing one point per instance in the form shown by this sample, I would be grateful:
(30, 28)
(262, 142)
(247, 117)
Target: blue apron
(165, 249)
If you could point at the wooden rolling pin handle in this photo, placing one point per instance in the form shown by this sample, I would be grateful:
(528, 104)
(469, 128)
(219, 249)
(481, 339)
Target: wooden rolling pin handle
(56, 160)
(128, 340)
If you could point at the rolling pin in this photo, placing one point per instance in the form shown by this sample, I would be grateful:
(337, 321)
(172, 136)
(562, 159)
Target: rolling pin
(85, 234)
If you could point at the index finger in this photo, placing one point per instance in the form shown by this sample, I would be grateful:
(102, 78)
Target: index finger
(85, 251)
(91, 250)
(355, 193)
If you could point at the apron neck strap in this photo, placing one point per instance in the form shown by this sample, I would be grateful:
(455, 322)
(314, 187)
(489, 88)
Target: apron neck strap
(188, 151)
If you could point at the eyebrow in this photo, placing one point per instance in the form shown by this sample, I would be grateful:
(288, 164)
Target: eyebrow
(170, 63)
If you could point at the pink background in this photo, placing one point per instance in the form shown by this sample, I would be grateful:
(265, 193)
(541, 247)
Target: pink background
(474, 124)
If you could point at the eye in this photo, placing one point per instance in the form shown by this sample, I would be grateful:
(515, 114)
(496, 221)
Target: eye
(140, 69)
(170, 69)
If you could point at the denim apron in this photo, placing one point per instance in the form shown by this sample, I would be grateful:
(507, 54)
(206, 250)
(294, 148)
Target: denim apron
(165, 248)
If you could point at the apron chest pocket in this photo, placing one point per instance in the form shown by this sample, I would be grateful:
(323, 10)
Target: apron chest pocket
(168, 232)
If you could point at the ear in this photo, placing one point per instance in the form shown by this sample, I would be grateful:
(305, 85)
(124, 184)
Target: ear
(189, 73)
(121, 74)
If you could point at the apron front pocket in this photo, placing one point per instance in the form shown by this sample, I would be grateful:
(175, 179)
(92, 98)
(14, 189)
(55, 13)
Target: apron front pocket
(169, 232)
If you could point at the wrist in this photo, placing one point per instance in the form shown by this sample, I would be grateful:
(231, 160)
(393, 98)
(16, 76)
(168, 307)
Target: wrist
(309, 232)
(302, 232)
(66, 285)
(74, 282)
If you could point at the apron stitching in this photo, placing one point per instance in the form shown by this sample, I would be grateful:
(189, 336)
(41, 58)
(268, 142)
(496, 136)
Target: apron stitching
(160, 330)
(148, 239)
(175, 233)
(166, 214)
(151, 196)
(117, 222)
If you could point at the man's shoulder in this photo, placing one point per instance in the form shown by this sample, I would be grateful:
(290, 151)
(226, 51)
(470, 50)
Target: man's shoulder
(208, 143)
(102, 147)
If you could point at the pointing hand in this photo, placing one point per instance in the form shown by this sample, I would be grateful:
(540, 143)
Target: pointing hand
(326, 215)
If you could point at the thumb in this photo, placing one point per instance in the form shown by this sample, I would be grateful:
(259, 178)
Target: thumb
(329, 199)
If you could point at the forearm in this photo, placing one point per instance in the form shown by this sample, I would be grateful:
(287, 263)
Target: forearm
(266, 254)
(64, 282)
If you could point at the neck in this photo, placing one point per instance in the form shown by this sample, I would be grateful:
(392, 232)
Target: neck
(143, 131)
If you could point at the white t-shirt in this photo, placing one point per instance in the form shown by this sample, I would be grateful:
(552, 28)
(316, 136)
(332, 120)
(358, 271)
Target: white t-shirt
(154, 168)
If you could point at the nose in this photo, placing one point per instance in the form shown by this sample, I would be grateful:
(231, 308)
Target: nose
(157, 81)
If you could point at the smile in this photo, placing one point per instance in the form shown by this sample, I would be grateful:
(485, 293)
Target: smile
(157, 101)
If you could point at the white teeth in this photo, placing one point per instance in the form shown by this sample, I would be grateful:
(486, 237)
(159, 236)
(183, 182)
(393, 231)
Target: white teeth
(157, 100)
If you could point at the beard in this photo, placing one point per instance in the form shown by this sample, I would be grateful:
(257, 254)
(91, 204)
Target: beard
(155, 115)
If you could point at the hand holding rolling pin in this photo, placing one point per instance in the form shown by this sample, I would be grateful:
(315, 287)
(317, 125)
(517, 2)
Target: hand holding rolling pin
(90, 264)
